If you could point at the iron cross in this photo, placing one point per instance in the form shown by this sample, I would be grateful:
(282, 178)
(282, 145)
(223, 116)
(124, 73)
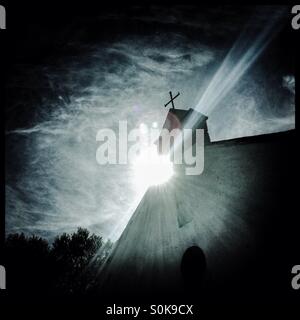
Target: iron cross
(172, 99)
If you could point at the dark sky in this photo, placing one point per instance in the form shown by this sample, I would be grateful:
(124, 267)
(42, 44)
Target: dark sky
(73, 72)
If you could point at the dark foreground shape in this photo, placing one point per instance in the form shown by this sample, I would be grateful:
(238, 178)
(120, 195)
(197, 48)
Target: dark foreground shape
(193, 266)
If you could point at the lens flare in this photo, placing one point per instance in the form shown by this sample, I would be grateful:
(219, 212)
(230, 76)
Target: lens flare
(265, 23)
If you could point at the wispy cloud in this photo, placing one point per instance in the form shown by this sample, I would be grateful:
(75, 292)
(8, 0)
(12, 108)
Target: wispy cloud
(53, 182)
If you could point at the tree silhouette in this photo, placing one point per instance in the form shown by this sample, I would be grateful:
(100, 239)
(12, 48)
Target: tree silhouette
(67, 267)
(72, 255)
(26, 262)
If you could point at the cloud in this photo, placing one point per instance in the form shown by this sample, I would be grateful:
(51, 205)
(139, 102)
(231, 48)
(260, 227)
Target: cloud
(53, 182)
(288, 82)
(61, 184)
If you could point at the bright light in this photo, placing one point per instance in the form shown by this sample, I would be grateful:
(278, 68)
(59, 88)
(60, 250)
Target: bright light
(151, 169)
(255, 37)
(143, 128)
